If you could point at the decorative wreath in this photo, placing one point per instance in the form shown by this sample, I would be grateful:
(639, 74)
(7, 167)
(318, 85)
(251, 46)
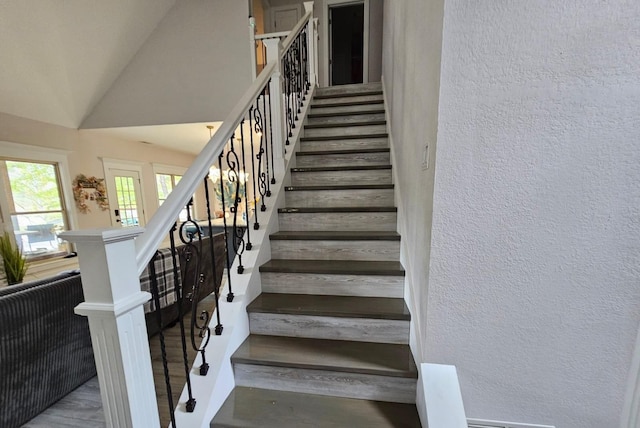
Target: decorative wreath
(87, 189)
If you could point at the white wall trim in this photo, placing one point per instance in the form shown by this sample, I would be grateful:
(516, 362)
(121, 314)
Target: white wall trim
(48, 154)
(160, 168)
(416, 329)
(631, 407)
(325, 38)
(442, 396)
(499, 424)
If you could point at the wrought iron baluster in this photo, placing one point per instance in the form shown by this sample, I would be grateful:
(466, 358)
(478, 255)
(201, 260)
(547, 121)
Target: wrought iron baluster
(249, 246)
(262, 177)
(305, 59)
(273, 177)
(216, 292)
(266, 143)
(234, 178)
(254, 176)
(226, 233)
(155, 293)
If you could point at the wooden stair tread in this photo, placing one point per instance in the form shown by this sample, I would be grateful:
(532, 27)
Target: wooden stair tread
(342, 152)
(344, 124)
(341, 168)
(263, 408)
(347, 103)
(330, 306)
(344, 137)
(326, 95)
(340, 267)
(336, 235)
(295, 210)
(339, 114)
(383, 359)
(340, 187)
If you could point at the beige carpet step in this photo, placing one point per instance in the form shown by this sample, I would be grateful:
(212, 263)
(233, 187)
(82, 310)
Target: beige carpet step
(362, 319)
(331, 245)
(363, 195)
(330, 158)
(342, 219)
(357, 144)
(267, 408)
(377, 174)
(343, 119)
(329, 367)
(333, 131)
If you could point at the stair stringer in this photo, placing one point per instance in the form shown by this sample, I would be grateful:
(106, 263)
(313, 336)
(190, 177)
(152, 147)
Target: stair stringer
(212, 390)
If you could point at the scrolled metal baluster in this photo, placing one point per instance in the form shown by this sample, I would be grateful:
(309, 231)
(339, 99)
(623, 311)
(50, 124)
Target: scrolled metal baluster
(254, 176)
(230, 295)
(262, 177)
(305, 59)
(248, 246)
(273, 177)
(163, 350)
(234, 178)
(266, 143)
(216, 292)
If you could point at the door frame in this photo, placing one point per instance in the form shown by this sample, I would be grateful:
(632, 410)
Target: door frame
(274, 9)
(109, 164)
(325, 37)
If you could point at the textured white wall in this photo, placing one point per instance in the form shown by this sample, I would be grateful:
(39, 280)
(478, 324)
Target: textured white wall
(534, 286)
(193, 68)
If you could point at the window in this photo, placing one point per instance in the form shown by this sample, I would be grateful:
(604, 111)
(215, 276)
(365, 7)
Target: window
(165, 184)
(33, 206)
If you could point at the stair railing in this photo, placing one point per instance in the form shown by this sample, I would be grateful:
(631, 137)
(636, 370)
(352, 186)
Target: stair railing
(239, 164)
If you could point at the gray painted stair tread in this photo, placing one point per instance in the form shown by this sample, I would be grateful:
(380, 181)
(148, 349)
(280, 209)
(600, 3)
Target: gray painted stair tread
(383, 308)
(339, 114)
(352, 87)
(338, 267)
(320, 354)
(341, 152)
(293, 210)
(344, 137)
(345, 124)
(342, 168)
(263, 408)
(342, 187)
(320, 96)
(336, 235)
(346, 103)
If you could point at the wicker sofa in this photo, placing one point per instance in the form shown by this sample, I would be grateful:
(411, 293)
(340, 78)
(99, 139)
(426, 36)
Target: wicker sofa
(45, 348)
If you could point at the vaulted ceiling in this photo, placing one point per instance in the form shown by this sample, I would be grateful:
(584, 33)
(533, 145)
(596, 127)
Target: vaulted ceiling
(59, 57)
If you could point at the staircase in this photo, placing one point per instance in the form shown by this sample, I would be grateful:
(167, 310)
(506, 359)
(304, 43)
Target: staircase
(330, 332)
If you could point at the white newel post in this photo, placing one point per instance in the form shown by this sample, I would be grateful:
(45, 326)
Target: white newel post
(113, 305)
(308, 7)
(277, 108)
(252, 42)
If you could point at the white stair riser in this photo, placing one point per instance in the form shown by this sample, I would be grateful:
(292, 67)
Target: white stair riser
(347, 109)
(340, 198)
(327, 382)
(354, 118)
(355, 221)
(344, 131)
(335, 250)
(340, 100)
(353, 144)
(332, 284)
(325, 327)
(331, 178)
(343, 159)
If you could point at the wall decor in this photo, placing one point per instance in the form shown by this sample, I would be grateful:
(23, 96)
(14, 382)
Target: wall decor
(88, 189)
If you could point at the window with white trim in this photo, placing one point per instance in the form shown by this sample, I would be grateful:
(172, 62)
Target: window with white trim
(165, 183)
(33, 206)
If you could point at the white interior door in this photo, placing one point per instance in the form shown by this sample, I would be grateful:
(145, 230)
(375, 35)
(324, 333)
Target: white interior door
(284, 18)
(125, 197)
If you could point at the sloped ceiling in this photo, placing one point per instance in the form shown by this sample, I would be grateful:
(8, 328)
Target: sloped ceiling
(59, 57)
